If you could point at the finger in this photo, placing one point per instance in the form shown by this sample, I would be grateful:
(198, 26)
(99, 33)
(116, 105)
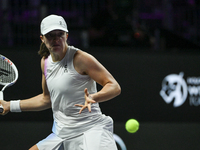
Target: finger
(91, 101)
(78, 105)
(89, 107)
(82, 109)
(86, 92)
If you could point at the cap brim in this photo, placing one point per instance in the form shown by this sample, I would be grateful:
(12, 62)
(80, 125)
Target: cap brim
(53, 28)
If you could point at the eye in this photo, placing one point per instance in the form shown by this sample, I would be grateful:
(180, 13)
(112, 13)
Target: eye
(49, 35)
(61, 34)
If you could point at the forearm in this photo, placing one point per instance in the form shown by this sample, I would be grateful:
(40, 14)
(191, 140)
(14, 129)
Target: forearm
(109, 91)
(36, 103)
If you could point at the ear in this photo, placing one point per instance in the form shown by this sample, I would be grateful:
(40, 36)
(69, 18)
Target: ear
(66, 35)
(41, 37)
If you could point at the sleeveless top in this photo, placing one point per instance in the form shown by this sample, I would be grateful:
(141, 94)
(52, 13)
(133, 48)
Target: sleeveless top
(66, 87)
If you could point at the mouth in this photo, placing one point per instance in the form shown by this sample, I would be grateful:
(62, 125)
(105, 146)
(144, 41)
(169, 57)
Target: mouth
(55, 45)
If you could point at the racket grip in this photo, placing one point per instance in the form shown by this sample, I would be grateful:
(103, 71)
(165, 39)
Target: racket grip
(1, 108)
(1, 98)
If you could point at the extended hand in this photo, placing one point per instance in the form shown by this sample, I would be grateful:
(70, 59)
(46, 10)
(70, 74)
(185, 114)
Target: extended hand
(88, 102)
(5, 107)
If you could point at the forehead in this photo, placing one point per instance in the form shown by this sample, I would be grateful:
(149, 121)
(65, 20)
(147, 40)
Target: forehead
(55, 31)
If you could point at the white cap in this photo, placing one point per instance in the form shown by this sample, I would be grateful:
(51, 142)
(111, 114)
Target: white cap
(53, 22)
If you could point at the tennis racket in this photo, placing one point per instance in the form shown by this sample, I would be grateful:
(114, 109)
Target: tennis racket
(8, 75)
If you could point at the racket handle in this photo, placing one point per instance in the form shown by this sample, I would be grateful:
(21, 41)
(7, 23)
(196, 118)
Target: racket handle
(1, 108)
(1, 98)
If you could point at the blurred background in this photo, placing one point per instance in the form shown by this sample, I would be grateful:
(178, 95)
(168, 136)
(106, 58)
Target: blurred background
(151, 48)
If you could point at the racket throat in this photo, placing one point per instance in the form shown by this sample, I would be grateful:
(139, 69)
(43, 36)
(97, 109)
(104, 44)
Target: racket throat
(1, 95)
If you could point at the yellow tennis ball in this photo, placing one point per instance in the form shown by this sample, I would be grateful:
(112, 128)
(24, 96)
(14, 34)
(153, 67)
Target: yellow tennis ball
(132, 125)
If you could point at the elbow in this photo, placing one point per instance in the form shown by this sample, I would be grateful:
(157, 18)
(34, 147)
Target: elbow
(118, 90)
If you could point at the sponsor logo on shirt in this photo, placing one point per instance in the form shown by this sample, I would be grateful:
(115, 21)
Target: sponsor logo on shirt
(65, 70)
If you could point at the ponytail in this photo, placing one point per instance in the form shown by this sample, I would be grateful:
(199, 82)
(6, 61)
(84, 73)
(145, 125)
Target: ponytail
(43, 52)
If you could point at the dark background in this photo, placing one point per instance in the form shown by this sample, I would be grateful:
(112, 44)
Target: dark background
(140, 47)
(139, 74)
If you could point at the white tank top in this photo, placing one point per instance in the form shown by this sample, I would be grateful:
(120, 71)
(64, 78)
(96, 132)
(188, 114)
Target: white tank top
(66, 87)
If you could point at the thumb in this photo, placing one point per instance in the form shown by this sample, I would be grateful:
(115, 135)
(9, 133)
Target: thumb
(86, 92)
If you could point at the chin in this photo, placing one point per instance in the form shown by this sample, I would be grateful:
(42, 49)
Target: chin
(56, 49)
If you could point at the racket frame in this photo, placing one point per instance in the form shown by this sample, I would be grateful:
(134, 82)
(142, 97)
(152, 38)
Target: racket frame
(5, 85)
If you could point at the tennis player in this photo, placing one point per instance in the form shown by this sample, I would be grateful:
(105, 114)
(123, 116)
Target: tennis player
(69, 77)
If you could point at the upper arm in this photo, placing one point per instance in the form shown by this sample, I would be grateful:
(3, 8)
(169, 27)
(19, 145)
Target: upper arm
(44, 85)
(87, 64)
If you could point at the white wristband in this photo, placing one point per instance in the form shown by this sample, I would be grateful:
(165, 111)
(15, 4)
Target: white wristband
(15, 106)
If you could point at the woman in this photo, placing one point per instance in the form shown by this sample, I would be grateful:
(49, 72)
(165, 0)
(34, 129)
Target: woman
(69, 78)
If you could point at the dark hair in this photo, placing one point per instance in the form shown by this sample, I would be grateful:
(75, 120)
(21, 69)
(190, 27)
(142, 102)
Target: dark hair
(43, 52)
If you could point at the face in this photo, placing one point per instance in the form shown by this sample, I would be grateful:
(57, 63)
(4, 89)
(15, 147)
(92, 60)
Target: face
(55, 41)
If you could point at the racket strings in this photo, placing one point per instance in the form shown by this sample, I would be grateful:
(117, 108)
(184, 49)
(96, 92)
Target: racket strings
(7, 74)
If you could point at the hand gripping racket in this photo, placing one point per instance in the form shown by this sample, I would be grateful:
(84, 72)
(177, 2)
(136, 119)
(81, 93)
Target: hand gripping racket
(8, 75)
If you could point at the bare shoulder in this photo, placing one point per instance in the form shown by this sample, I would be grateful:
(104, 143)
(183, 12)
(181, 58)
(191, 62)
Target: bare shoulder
(82, 56)
(84, 61)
